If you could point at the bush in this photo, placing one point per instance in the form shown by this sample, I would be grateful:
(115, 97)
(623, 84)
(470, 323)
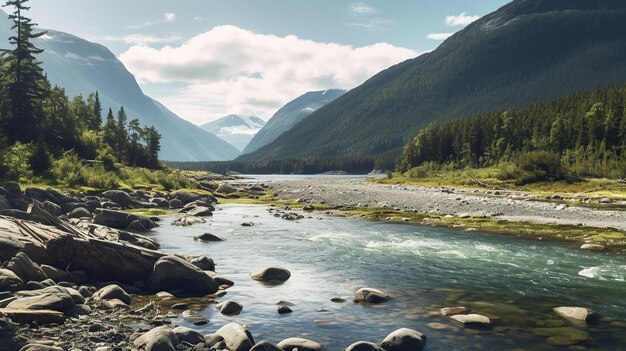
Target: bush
(15, 162)
(536, 166)
(41, 160)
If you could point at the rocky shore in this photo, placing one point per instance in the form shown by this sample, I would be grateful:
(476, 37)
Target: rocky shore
(506, 205)
(76, 273)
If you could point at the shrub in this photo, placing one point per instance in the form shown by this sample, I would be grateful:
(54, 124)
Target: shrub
(536, 166)
(15, 162)
(40, 161)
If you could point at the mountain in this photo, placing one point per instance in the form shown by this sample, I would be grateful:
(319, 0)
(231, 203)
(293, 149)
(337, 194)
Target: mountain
(82, 67)
(236, 130)
(525, 52)
(291, 114)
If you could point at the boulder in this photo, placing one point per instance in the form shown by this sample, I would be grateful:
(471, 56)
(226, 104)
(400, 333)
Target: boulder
(370, 295)
(274, 274)
(160, 202)
(199, 211)
(40, 317)
(13, 188)
(300, 344)
(55, 301)
(4, 203)
(596, 247)
(188, 220)
(120, 220)
(58, 197)
(111, 292)
(74, 294)
(176, 203)
(58, 275)
(40, 347)
(204, 263)
(451, 311)
(404, 339)
(207, 237)
(157, 339)
(364, 346)
(119, 196)
(186, 197)
(236, 337)
(576, 313)
(284, 310)
(137, 226)
(114, 304)
(189, 335)
(472, 318)
(80, 212)
(52, 208)
(26, 269)
(172, 272)
(9, 281)
(265, 346)
(229, 308)
(226, 189)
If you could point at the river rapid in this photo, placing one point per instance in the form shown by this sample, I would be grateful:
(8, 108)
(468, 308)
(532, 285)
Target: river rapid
(515, 282)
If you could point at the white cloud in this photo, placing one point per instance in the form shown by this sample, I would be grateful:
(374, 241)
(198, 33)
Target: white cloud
(461, 20)
(169, 16)
(232, 70)
(439, 36)
(139, 39)
(361, 9)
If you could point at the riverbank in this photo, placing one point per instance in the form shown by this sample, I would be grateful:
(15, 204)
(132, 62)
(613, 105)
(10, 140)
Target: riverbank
(495, 211)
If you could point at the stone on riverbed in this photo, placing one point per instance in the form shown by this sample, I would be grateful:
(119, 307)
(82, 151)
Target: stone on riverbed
(121, 220)
(274, 274)
(189, 335)
(404, 339)
(370, 295)
(204, 263)
(597, 247)
(364, 346)
(207, 237)
(40, 347)
(451, 311)
(576, 313)
(265, 346)
(299, 344)
(55, 301)
(157, 339)
(188, 220)
(562, 336)
(9, 281)
(111, 292)
(236, 337)
(229, 308)
(26, 269)
(40, 317)
(471, 319)
(174, 273)
(58, 275)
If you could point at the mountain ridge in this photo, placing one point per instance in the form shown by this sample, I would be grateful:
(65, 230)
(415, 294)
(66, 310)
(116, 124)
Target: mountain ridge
(235, 129)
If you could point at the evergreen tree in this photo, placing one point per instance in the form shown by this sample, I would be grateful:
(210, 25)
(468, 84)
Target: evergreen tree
(121, 134)
(24, 80)
(153, 145)
(94, 121)
(110, 131)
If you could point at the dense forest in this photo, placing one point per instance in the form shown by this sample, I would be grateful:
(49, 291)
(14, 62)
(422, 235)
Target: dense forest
(45, 134)
(525, 52)
(353, 165)
(581, 135)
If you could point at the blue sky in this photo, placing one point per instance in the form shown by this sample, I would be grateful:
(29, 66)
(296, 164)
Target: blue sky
(253, 56)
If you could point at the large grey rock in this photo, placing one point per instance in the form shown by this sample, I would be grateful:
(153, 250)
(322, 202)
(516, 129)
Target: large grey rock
(79, 212)
(13, 188)
(76, 296)
(52, 208)
(364, 346)
(56, 274)
(4, 203)
(274, 274)
(172, 273)
(121, 220)
(189, 335)
(236, 337)
(26, 269)
(265, 346)
(229, 308)
(9, 281)
(40, 347)
(111, 292)
(576, 313)
(157, 339)
(471, 318)
(300, 344)
(119, 196)
(55, 301)
(404, 339)
(226, 189)
(207, 237)
(370, 295)
(204, 263)
(58, 197)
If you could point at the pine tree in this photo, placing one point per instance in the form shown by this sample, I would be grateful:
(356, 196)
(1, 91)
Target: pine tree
(94, 121)
(110, 131)
(153, 145)
(121, 134)
(23, 78)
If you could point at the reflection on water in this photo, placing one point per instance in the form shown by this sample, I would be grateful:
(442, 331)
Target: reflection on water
(513, 281)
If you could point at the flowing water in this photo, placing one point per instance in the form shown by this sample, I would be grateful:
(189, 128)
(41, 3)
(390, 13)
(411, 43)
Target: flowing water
(515, 282)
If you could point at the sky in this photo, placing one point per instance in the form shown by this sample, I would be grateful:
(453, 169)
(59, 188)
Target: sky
(205, 59)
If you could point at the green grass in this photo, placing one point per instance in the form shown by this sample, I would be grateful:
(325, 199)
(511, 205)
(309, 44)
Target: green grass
(149, 212)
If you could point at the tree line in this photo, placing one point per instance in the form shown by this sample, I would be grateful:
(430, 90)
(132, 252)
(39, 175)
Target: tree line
(585, 131)
(40, 124)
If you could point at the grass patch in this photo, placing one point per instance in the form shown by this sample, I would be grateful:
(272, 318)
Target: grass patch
(149, 212)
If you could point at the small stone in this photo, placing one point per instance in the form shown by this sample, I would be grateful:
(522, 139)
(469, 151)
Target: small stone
(338, 299)
(451, 311)
(576, 313)
(596, 247)
(469, 319)
(284, 310)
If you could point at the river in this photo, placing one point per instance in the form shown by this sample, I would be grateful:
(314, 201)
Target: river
(516, 282)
